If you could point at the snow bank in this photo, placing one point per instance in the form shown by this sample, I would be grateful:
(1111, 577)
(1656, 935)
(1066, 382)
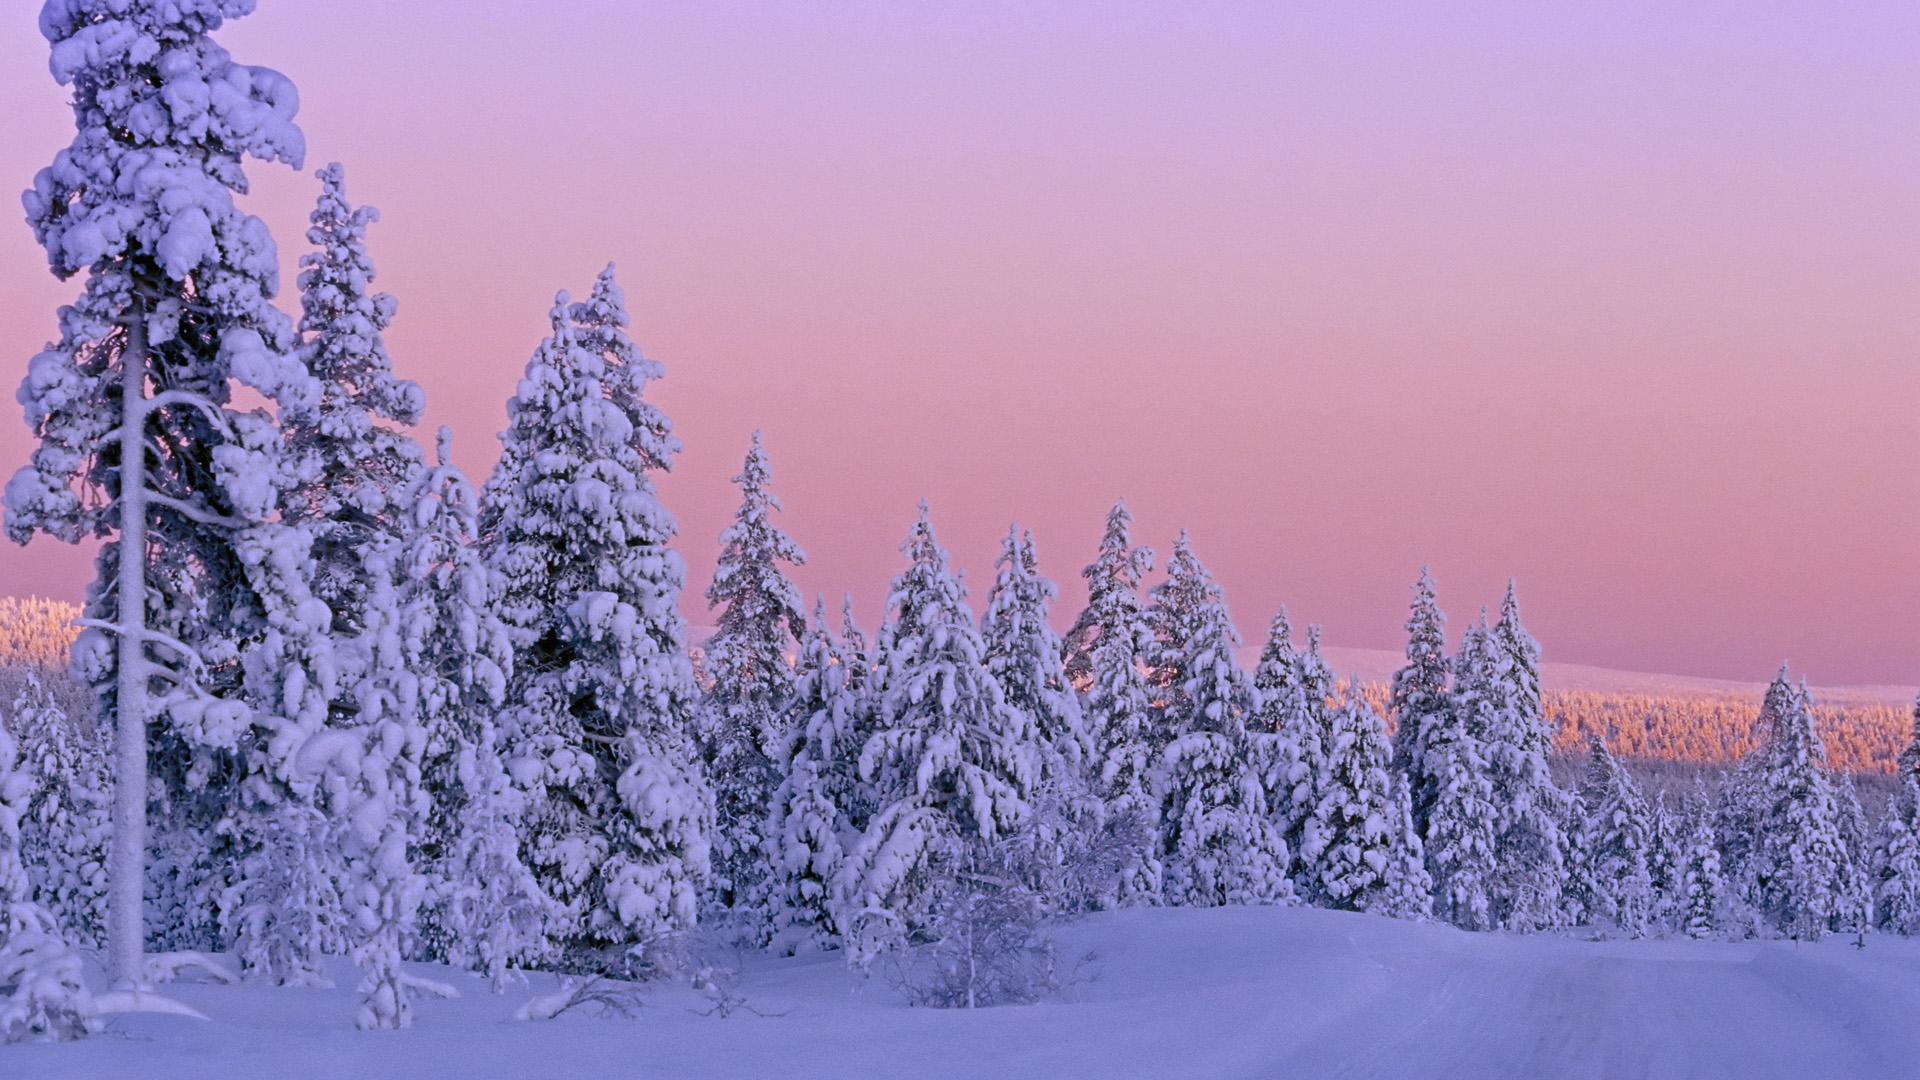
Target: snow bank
(1224, 992)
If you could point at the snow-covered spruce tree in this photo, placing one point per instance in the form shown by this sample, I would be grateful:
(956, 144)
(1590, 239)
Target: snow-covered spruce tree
(353, 469)
(1666, 861)
(1463, 817)
(1104, 658)
(175, 309)
(42, 994)
(1355, 816)
(1798, 856)
(808, 826)
(1409, 892)
(1502, 674)
(483, 910)
(1023, 654)
(1853, 887)
(1699, 896)
(602, 691)
(1176, 613)
(1287, 746)
(66, 827)
(1617, 842)
(1419, 702)
(952, 762)
(1896, 862)
(1218, 843)
(749, 680)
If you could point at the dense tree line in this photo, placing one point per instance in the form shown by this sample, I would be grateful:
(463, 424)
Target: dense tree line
(348, 705)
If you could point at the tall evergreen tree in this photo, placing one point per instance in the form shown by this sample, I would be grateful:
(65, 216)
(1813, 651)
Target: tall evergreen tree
(750, 680)
(1023, 654)
(1355, 815)
(1177, 612)
(1218, 842)
(1500, 676)
(1896, 862)
(66, 826)
(809, 826)
(951, 761)
(1799, 858)
(352, 467)
(1463, 815)
(1286, 743)
(1699, 895)
(1419, 702)
(1105, 652)
(221, 666)
(484, 911)
(1618, 842)
(602, 689)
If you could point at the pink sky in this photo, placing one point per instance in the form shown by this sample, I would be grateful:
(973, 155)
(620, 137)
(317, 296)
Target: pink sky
(1620, 299)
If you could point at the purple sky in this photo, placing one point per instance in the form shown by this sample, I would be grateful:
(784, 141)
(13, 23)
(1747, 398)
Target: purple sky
(1621, 299)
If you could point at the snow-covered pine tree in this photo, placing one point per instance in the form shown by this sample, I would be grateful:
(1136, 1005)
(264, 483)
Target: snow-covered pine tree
(1462, 821)
(1853, 886)
(1105, 649)
(749, 679)
(1023, 654)
(67, 824)
(1218, 843)
(1798, 858)
(952, 761)
(1701, 886)
(484, 911)
(1419, 701)
(1286, 745)
(352, 466)
(1617, 842)
(42, 995)
(1896, 861)
(1409, 891)
(1355, 818)
(1531, 849)
(1666, 861)
(175, 310)
(1176, 613)
(602, 690)
(808, 826)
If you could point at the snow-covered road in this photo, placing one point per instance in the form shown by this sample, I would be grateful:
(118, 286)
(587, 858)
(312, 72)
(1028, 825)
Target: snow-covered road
(1289, 994)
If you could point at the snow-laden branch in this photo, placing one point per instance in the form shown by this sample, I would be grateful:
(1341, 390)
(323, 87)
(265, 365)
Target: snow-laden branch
(196, 513)
(151, 636)
(214, 413)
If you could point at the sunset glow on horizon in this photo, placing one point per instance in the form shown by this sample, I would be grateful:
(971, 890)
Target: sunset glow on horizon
(1620, 300)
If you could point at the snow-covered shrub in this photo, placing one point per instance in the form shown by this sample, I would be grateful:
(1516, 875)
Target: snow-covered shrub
(986, 940)
(66, 827)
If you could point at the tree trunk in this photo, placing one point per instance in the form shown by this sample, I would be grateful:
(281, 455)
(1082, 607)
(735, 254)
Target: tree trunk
(126, 857)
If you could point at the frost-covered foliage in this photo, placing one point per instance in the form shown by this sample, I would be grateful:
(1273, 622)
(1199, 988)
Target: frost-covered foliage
(1853, 885)
(1497, 674)
(1462, 819)
(1409, 892)
(952, 762)
(352, 469)
(1287, 743)
(175, 310)
(1176, 614)
(1618, 842)
(1218, 842)
(808, 825)
(483, 910)
(1023, 654)
(987, 941)
(1105, 651)
(1419, 703)
(65, 828)
(1780, 821)
(749, 681)
(42, 995)
(602, 692)
(1356, 824)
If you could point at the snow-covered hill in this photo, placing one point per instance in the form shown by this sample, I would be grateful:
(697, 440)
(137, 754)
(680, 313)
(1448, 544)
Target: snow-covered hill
(1227, 992)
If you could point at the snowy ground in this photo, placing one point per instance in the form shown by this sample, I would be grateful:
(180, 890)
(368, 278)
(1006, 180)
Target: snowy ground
(1235, 992)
